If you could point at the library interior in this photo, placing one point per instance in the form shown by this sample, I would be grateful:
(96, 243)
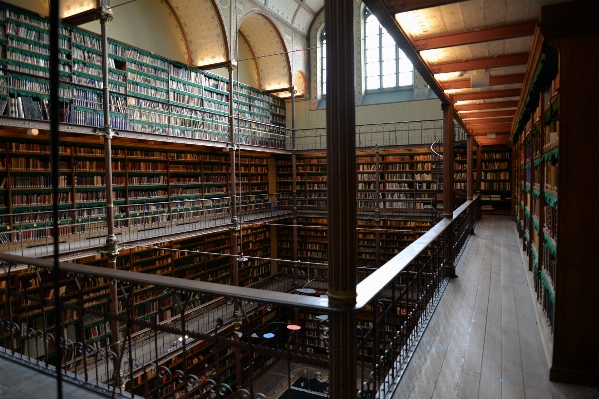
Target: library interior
(271, 199)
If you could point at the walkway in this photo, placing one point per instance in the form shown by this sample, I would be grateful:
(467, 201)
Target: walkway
(151, 233)
(18, 381)
(483, 341)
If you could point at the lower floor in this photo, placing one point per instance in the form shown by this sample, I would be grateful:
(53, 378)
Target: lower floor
(483, 340)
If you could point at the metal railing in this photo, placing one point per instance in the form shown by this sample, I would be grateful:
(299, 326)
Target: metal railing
(212, 328)
(382, 134)
(31, 234)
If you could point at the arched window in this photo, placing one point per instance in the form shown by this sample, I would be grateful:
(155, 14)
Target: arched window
(323, 62)
(386, 65)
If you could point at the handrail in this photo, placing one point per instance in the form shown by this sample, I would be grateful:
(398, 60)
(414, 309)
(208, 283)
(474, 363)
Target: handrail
(376, 282)
(367, 289)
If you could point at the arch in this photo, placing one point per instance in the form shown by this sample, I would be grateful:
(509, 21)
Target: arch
(301, 83)
(269, 48)
(203, 27)
(151, 25)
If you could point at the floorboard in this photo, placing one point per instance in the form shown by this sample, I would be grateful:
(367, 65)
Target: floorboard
(483, 341)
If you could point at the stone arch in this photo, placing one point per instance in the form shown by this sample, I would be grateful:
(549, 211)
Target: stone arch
(268, 46)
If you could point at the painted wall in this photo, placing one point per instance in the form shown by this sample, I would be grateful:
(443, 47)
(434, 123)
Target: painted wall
(136, 24)
(248, 71)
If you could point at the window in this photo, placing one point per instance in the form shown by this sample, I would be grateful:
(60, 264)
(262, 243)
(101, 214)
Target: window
(323, 62)
(386, 66)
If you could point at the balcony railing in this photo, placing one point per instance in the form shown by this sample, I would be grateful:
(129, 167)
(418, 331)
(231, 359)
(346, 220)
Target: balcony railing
(31, 234)
(424, 132)
(216, 328)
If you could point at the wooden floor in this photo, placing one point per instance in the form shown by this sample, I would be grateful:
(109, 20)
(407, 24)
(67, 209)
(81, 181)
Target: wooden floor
(483, 341)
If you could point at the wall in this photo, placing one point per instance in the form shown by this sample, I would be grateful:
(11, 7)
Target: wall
(371, 114)
(136, 24)
(248, 71)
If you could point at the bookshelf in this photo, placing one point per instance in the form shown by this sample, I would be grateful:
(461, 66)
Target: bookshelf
(403, 181)
(144, 181)
(495, 180)
(148, 93)
(536, 191)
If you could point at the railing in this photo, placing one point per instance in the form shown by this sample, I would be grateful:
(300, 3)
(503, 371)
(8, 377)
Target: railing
(30, 233)
(381, 134)
(213, 328)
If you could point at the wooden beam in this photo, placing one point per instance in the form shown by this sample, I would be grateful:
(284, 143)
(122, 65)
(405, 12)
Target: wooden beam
(493, 81)
(496, 128)
(481, 106)
(481, 95)
(397, 6)
(476, 36)
(480, 63)
(487, 121)
(487, 114)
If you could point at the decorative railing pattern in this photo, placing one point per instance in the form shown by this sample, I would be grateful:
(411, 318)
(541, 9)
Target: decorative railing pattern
(168, 358)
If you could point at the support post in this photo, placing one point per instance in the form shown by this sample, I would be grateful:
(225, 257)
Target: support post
(293, 91)
(470, 180)
(341, 196)
(111, 248)
(377, 234)
(55, 167)
(448, 166)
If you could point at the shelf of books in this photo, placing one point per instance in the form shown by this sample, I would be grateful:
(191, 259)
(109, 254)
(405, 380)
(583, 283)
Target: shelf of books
(496, 182)
(394, 235)
(177, 259)
(144, 181)
(461, 172)
(535, 208)
(403, 181)
(148, 93)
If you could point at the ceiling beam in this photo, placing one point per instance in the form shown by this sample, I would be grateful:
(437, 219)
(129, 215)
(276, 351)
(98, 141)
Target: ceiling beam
(481, 63)
(390, 23)
(476, 36)
(487, 114)
(482, 95)
(397, 6)
(500, 128)
(481, 106)
(493, 81)
(487, 121)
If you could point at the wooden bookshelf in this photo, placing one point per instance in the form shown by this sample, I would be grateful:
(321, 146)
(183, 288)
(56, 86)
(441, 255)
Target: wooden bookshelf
(148, 93)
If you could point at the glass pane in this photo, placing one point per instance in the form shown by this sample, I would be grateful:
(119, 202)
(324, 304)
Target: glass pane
(389, 53)
(389, 67)
(372, 26)
(387, 40)
(405, 79)
(405, 65)
(400, 53)
(389, 80)
(371, 42)
(372, 55)
(373, 69)
(373, 83)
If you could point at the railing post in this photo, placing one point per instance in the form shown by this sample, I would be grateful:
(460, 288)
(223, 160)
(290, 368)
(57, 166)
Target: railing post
(448, 160)
(470, 183)
(341, 197)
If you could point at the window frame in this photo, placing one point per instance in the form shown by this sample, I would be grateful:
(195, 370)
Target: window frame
(365, 15)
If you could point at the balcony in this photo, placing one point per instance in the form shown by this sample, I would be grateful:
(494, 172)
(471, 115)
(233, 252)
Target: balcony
(153, 358)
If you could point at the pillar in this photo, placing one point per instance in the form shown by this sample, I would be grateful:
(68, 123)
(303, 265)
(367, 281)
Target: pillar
(341, 196)
(448, 166)
(470, 180)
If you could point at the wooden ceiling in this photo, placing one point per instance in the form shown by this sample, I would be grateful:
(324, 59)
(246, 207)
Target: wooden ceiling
(474, 51)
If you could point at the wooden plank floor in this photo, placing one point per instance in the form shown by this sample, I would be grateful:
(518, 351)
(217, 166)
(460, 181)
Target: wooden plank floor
(483, 341)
